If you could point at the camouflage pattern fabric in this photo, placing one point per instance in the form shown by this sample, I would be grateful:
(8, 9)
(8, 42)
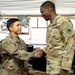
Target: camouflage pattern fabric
(60, 43)
(13, 61)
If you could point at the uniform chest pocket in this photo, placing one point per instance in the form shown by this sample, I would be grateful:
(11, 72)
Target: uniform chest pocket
(56, 34)
(18, 46)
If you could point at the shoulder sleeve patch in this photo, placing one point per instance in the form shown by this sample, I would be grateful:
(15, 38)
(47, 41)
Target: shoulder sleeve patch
(68, 31)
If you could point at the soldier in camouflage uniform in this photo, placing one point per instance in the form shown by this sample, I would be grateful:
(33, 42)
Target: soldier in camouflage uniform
(59, 40)
(14, 51)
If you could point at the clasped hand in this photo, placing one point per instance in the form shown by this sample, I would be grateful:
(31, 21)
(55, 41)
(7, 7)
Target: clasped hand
(38, 53)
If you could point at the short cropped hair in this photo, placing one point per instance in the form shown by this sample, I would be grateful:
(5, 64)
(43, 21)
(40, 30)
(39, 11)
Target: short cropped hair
(48, 4)
(11, 21)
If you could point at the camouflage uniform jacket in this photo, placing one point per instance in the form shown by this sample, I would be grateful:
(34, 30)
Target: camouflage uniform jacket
(13, 61)
(59, 45)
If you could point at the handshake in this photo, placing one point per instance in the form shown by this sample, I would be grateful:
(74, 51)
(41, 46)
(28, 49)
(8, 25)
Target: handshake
(38, 53)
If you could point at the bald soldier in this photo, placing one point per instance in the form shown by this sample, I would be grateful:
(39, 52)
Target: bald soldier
(14, 51)
(59, 39)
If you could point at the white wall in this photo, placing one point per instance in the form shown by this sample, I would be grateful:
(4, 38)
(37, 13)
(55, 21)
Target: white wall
(32, 7)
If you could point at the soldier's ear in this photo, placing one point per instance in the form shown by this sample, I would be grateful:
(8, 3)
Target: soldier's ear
(10, 28)
(49, 9)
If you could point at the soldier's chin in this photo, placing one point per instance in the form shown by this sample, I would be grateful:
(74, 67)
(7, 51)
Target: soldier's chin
(46, 19)
(20, 33)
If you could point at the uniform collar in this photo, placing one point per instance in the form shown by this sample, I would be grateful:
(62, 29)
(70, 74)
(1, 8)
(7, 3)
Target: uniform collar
(14, 39)
(55, 20)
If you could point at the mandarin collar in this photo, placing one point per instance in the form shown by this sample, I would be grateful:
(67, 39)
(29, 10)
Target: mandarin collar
(14, 39)
(55, 20)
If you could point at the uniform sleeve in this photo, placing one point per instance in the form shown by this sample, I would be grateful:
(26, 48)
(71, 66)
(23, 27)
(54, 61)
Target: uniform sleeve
(67, 34)
(10, 48)
(24, 56)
